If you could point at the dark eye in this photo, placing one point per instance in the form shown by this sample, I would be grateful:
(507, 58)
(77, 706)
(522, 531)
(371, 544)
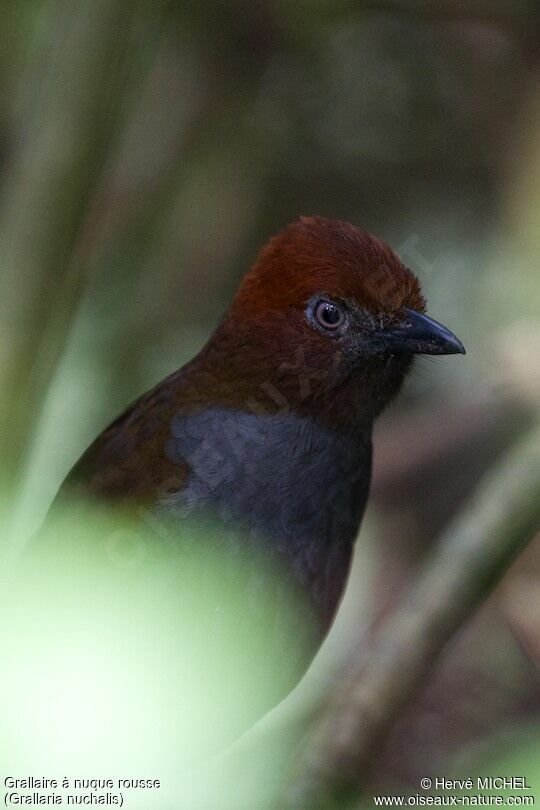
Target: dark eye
(328, 315)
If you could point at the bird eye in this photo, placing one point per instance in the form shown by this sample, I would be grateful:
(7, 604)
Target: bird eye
(328, 315)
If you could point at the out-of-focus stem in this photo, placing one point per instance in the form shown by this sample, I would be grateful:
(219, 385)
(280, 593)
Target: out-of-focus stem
(60, 146)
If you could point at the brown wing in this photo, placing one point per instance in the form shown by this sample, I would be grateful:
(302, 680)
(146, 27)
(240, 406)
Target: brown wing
(128, 460)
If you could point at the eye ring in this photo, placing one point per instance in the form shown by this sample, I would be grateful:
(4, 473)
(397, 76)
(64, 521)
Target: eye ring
(328, 315)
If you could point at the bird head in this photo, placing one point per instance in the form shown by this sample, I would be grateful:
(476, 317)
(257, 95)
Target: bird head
(327, 322)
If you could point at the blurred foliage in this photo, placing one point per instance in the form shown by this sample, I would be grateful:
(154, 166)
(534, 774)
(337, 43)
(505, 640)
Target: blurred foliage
(122, 657)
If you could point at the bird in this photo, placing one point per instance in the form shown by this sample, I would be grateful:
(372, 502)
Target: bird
(254, 460)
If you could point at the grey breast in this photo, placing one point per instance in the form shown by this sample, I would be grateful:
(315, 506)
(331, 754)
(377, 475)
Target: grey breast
(285, 479)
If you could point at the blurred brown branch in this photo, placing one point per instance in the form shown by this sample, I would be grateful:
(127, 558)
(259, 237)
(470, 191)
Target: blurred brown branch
(60, 146)
(473, 554)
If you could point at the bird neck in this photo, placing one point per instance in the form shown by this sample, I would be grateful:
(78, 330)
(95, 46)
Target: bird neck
(244, 370)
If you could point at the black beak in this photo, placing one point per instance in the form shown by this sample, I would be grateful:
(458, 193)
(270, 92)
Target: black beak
(419, 334)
